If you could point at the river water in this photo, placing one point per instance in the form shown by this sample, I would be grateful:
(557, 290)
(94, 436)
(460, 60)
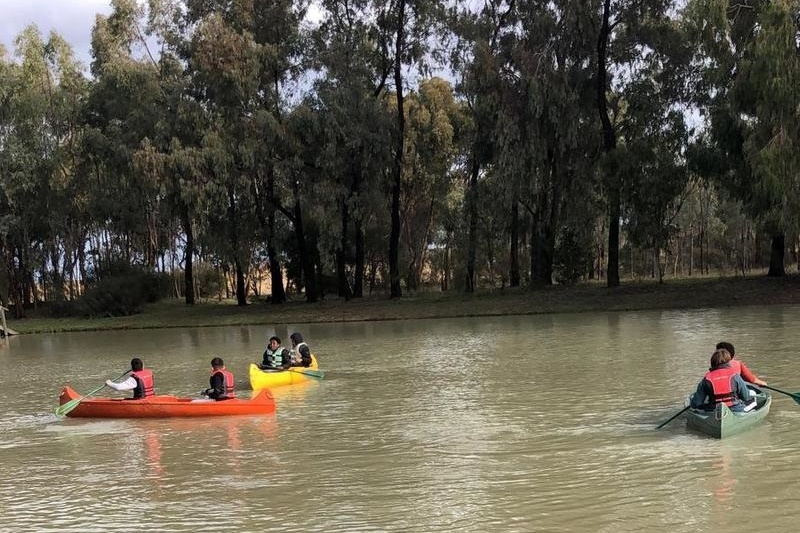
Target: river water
(511, 424)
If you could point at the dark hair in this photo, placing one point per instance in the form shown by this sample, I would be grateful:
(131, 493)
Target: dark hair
(136, 364)
(296, 338)
(217, 362)
(720, 357)
(726, 346)
(274, 338)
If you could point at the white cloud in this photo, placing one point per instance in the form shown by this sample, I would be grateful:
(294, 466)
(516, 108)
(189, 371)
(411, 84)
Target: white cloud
(72, 19)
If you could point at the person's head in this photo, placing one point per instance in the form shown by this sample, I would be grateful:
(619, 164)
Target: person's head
(274, 342)
(217, 362)
(296, 338)
(720, 357)
(136, 364)
(726, 346)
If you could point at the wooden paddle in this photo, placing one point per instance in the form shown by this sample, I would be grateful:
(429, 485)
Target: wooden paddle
(795, 395)
(673, 417)
(62, 410)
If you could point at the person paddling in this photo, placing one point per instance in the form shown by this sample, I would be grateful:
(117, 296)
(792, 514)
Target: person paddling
(221, 381)
(722, 384)
(301, 353)
(739, 366)
(276, 357)
(140, 381)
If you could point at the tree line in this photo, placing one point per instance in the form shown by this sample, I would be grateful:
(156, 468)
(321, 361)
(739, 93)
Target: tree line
(394, 145)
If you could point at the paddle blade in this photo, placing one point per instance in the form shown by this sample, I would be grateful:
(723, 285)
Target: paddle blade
(63, 409)
(794, 395)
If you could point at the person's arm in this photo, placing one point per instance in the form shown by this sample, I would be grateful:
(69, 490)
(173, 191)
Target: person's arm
(128, 384)
(305, 356)
(748, 375)
(217, 389)
(264, 359)
(699, 397)
(286, 358)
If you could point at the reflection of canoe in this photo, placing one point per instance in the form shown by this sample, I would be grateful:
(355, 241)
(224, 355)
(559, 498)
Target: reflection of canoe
(721, 422)
(166, 406)
(265, 379)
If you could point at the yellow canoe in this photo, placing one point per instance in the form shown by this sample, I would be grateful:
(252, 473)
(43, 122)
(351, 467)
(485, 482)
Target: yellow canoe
(267, 379)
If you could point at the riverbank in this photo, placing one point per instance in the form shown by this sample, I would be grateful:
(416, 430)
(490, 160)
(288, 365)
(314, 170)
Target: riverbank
(631, 296)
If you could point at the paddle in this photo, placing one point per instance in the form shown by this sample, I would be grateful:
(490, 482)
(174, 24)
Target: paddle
(317, 374)
(795, 395)
(72, 404)
(673, 417)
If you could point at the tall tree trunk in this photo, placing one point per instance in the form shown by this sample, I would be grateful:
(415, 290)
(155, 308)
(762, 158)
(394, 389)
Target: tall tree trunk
(306, 258)
(278, 292)
(188, 282)
(472, 214)
(267, 221)
(609, 147)
(358, 276)
(341, 255)
(394, 238)
(514, 277)
(241, 284)
(776, 257)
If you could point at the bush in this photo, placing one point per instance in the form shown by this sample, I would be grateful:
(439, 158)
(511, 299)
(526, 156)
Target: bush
(571, 258)
(123, 294)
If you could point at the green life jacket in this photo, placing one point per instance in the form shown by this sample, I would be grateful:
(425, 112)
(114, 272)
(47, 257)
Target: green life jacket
(275, 359)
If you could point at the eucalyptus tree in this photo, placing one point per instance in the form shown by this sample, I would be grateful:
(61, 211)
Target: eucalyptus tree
(434, 120)
(750, 89)
(123, 107)
(174, 155)
(44, 222)
(625, 30)
(653, 138)
(276, 27)
(350, 94)
(404, 33)
(544, 128)
(476, 60)
(223, 62)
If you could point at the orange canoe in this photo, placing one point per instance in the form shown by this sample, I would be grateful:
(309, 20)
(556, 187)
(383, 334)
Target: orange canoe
(166, 406)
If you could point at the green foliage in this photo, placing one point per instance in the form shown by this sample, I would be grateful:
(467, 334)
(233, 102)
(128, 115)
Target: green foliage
(122, 293)
(572, 256)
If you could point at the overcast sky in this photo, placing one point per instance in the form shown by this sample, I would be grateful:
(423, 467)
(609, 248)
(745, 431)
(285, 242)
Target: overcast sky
(72, 19)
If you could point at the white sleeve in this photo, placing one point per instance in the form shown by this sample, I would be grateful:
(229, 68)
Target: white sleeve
(128, 384)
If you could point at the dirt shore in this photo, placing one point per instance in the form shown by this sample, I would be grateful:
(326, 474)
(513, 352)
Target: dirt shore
(673, 294)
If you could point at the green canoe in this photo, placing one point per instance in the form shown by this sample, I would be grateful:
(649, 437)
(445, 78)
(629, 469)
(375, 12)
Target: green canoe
(721, 422)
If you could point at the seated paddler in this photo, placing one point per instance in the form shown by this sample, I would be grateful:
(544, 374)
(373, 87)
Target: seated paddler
(276, 357)
(722, 384)
(221, 381)
(140, 381)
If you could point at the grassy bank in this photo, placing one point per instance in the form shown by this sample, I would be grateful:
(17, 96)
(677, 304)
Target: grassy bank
(675, 294)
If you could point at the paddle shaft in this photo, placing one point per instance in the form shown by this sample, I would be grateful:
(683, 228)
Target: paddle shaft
(795, 395)
(317, 374)
(673, 417)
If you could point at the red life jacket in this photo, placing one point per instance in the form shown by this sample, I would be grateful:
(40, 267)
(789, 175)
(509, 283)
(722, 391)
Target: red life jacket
(144, 383)
(736, 366)
(228, 376)
(720, 379)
